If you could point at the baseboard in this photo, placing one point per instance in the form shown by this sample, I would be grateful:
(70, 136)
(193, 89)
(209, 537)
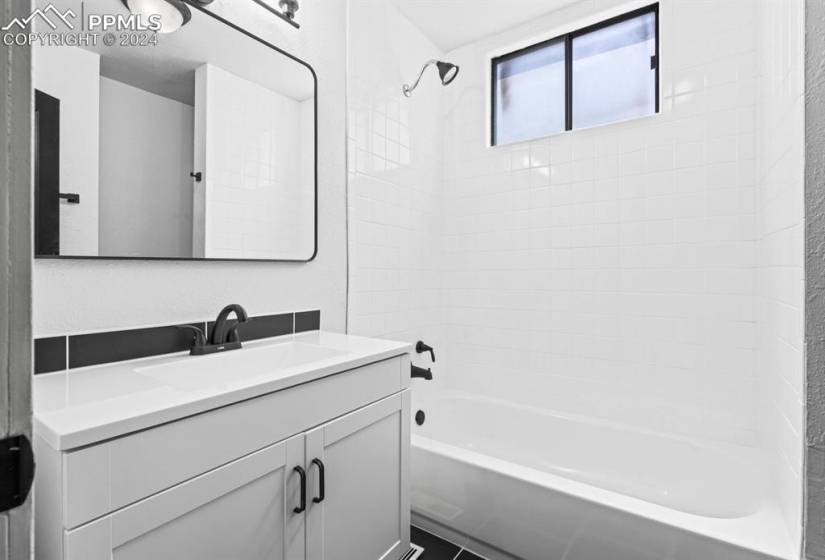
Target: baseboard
(414, 553)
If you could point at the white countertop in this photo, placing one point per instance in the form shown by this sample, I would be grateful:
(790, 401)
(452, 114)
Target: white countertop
(82, 406)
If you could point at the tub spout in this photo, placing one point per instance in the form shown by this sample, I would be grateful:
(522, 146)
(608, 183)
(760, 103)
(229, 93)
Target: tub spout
(421, 373)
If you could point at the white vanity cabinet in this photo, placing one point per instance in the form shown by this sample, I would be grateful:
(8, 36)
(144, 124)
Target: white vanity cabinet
(236, 511)
(365, 458)
(227, 483)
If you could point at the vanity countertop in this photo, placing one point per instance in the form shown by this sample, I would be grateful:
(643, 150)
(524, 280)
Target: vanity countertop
(82, 406)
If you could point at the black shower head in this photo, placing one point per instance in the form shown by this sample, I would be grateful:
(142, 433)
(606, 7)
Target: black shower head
(446, 71)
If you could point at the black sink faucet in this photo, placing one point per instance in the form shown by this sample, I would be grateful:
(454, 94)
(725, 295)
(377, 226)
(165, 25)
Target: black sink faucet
(224, 332)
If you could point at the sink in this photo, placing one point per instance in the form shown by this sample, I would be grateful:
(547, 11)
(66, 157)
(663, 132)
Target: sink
(236, 366)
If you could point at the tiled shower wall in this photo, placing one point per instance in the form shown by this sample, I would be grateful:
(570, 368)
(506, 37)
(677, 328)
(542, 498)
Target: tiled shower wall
(249, 206)
(394, 163)
(647, 273)
(609, 273)
(780, 256)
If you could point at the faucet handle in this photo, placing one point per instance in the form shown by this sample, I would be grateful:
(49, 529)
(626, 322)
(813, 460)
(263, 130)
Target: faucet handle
(421, 348)
(198, 334)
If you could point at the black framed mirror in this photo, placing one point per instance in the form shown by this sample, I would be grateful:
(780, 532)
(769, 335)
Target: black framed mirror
(169, 146)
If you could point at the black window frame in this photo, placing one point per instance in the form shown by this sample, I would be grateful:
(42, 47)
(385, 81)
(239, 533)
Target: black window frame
(567, 39)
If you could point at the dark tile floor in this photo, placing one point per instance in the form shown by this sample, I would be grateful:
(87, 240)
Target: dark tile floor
(438, 549)
(465, 555)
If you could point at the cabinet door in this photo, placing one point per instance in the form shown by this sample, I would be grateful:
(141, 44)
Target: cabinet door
(243, 510)
(364, 511)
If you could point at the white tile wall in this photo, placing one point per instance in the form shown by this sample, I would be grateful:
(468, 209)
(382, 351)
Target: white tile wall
(780, 257)
(609, 272)
(647, 273)
(258, 204)
(394, 161)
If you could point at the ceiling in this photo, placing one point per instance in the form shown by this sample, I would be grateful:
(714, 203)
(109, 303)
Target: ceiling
(453, 23)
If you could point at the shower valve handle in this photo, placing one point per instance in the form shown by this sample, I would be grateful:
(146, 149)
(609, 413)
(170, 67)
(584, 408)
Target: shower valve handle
(420, 347)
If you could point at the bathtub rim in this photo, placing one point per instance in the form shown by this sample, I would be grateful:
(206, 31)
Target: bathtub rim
(766, 523)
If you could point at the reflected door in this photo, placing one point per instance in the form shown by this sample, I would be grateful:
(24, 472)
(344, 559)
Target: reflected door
(46, 174)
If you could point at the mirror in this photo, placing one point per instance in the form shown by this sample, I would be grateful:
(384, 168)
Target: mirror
(173, 146)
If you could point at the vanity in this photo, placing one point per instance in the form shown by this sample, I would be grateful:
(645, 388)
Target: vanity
(294, 447)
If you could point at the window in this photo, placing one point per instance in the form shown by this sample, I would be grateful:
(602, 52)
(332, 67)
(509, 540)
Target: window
(529, 96)
(604, 73)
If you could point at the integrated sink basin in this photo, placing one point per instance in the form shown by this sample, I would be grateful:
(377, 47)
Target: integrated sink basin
(235, 366)
(78, 407)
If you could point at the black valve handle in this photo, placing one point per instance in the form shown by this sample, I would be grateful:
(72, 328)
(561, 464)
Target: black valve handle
(321, 491)
(302, 473)
(421, 347)
(71, 198)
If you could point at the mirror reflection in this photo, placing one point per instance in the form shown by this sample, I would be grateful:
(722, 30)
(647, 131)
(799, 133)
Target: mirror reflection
(179, 149)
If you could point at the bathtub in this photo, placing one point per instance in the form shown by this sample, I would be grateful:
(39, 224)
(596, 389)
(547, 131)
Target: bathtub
(512, 481)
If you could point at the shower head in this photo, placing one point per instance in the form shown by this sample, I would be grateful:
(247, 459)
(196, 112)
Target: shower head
(446, 71)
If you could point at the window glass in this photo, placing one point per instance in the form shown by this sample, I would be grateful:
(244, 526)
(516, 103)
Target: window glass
(529, 94)
(613, 77)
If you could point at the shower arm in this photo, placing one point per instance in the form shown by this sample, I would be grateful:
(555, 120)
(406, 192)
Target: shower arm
(407, 89)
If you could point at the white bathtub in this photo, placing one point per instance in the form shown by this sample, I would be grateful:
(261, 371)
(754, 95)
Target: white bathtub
(545, 486)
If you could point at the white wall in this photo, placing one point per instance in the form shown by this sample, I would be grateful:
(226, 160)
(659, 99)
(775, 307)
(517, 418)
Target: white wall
(395, 155)
(257, 203)
(71, 74)
(73, 296)
(609, 272)
(647, 273)
(606, 272)
(146, 150)
(780, 257)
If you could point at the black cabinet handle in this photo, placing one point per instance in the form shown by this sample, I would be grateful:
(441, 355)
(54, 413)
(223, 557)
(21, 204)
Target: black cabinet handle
(302, 473)
(421, 348)
(322, 493)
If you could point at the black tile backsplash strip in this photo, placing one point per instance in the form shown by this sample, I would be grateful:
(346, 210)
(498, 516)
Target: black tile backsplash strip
(307, 321)
(49, 354)
(264, 326)
(116, 346)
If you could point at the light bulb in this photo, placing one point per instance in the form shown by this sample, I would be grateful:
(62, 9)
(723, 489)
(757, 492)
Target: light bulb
(173, 13)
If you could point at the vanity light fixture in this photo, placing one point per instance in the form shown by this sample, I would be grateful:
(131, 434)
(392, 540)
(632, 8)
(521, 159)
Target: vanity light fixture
(288, 7)
(286, 12)
(174, 14)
